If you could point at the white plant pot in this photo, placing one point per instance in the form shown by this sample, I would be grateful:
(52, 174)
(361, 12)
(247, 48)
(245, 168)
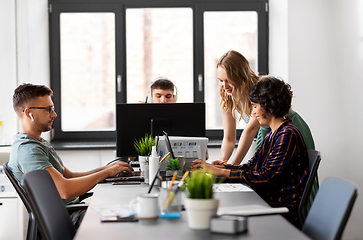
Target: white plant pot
(170, 173)
(142, 162)
(199, 212)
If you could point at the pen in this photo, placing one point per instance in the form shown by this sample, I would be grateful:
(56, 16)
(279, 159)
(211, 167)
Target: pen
(164, 157)
(157, 172)
(183, 178)
(221, 163)
(172, 180)
(152, 183)
(173, 193)
(146, 99)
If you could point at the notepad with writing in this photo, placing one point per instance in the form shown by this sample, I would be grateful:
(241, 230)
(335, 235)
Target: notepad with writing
(231, 187)
(250, 210)
(120, 210)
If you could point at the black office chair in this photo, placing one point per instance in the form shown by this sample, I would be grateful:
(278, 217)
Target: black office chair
(312, 185)
(331, 209)
(49, 210)
(308, 193)
(32, 226)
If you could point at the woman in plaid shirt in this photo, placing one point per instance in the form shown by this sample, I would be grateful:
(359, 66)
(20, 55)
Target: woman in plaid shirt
(279, 169)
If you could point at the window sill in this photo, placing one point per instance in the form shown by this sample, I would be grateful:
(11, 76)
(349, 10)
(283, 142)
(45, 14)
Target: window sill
(108, 145)
(67, 145)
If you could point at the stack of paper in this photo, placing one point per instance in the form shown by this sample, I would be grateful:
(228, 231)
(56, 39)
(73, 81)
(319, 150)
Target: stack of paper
(231, 187)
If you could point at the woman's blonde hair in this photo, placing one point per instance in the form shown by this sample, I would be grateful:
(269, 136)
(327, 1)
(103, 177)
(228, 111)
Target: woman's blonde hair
(242, 77)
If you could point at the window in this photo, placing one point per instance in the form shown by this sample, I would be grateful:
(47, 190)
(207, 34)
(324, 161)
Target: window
(159, 43)
(87, 71)
(108, 53)
(235, 30)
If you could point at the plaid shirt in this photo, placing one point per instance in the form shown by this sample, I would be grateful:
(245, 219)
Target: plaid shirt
(279, 169)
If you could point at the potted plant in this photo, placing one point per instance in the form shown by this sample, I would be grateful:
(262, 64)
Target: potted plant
(200, 204)
(143, 145)
(143, 148)
(172, 166)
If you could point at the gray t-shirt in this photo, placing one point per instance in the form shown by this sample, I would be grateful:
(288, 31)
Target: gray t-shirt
(29, 154)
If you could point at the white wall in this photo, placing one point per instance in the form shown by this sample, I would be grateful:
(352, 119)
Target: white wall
(316, 45)
(325, 56)
(24, 52)
(8, 72)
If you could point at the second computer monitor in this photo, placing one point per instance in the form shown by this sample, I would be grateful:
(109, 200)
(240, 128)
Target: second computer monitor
(133, 121)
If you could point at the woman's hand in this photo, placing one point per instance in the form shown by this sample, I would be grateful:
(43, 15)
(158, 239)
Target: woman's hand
(198, 163)
(218, 162)
(218, 170)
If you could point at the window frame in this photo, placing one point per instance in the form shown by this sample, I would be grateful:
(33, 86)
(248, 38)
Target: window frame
(56, 7)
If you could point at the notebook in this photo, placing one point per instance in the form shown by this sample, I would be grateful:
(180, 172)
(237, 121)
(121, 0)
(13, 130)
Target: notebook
(250, 210)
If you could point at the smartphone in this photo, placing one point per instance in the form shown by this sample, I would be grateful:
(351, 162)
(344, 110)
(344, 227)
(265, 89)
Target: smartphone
(119, 219)
(126, 183)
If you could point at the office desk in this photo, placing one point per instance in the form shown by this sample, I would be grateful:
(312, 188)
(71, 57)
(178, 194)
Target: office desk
(259, 227)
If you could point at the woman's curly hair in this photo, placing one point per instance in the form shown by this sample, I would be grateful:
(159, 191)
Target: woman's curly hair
(273, 94)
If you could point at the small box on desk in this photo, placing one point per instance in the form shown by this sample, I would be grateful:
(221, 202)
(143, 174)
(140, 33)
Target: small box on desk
(228, 224)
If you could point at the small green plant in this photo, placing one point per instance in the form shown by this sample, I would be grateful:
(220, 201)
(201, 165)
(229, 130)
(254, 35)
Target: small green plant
(144, 145)
(199, 184)
(173, 164)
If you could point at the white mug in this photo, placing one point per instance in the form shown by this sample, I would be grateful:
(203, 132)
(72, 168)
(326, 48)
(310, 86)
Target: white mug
(147, 206)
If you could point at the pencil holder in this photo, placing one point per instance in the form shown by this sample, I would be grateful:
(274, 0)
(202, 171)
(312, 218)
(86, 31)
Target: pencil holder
(175, 206)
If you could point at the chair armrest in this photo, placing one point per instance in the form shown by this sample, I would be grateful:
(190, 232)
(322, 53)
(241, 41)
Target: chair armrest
(75, 207)
(84, 196)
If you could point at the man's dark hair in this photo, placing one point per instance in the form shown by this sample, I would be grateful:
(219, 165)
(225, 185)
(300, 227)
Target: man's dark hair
(273, 94)
(27, 92)
(162, 83)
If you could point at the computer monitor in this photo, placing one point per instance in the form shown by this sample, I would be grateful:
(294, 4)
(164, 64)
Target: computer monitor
(134, 120)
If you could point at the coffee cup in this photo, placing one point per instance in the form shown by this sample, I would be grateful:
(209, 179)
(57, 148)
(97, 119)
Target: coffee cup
(147, 206)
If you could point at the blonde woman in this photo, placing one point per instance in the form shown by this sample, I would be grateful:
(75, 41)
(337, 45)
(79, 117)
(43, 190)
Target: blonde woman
(235, 78)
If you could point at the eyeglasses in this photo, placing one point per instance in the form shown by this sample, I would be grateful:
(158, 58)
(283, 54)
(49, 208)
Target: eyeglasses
(48, 109)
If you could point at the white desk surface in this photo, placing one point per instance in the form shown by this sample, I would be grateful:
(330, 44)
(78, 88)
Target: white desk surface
(259, 227)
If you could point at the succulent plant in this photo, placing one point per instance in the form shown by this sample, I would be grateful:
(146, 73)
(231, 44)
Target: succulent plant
(173, 164)
(144, 145)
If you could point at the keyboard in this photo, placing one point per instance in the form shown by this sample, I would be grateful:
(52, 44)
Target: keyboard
(118, 179)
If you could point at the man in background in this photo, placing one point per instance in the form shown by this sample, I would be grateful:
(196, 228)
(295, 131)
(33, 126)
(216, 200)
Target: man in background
(162, 91)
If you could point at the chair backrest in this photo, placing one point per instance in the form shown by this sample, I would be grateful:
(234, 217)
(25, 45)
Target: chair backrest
(19, 189)
(32, 226)
(307, 198)
(49, 210)
(331, 209)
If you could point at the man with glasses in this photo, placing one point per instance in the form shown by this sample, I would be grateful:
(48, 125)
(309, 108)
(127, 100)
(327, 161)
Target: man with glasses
(34, 106)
